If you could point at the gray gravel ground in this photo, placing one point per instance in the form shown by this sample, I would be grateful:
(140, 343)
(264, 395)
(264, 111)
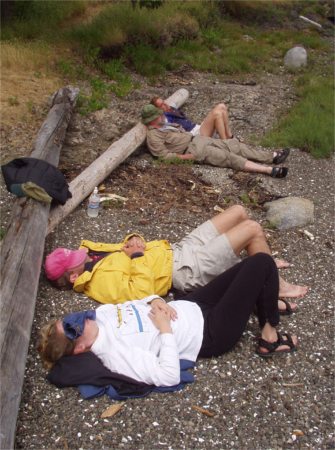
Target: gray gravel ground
(281, 403)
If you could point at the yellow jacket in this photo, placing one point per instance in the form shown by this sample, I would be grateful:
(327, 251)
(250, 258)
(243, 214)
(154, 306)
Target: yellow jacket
(117, 278)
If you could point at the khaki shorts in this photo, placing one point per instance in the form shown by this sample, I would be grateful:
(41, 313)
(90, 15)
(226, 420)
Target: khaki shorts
(201, 256)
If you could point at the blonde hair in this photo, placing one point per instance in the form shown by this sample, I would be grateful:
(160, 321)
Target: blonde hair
(52, 345)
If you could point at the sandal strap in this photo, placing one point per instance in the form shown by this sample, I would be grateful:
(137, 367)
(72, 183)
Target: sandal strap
(279, 172)
(288, 341)
(272, 346)
(288, 309)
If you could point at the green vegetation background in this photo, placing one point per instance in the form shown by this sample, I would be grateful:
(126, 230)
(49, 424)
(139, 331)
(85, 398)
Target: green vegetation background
(151, 37)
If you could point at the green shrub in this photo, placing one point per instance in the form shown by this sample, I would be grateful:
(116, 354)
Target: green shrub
(121, 24)
(145, 60)
(31, 19)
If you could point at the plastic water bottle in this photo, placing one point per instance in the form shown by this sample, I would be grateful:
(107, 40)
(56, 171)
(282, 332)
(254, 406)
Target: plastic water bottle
(93, 204)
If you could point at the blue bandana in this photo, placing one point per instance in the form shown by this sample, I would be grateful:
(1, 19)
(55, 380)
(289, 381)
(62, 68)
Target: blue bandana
(74, 323)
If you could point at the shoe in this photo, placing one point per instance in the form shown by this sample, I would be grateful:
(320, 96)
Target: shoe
(271, 347)
(288, 308)
(281, 156)
(279, 172)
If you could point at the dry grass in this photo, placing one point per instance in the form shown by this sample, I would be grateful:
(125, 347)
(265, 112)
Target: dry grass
(27, 80)
(25, 56)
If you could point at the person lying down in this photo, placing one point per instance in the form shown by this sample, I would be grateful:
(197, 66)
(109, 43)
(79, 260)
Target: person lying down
(145, 339)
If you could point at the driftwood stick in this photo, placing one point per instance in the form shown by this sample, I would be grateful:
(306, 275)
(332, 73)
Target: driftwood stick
(21, 260)
(84, 184)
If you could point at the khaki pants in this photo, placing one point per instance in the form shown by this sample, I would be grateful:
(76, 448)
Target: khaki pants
(229, 153)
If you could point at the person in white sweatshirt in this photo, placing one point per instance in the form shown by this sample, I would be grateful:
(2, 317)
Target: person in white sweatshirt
(145, 339)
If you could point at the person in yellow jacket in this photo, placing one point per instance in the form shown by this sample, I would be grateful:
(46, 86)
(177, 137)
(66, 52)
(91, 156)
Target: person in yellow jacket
(115, 273)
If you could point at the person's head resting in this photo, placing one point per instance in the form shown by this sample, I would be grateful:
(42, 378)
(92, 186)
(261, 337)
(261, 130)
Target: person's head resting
(160, 103)
(151, 115)
(63, 266)
(74, 334)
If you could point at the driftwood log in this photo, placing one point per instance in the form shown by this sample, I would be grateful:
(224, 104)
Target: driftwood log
(84, 184)
(21, 260)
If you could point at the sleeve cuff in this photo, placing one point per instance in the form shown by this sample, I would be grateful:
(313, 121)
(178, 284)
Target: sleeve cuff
(136, 255)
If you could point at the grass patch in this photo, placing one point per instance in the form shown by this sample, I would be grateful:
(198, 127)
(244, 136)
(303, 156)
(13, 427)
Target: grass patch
(173, 161)
(115, 70)
(2, 233)
(13, 101)
(309, 125)
(70, 69)
(97, 100)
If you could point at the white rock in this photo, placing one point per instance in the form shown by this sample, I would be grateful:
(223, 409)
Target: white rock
(295, 58)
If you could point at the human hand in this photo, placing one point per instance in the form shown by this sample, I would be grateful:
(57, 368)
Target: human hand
(161, 320)
(134, 245)
(160, 304)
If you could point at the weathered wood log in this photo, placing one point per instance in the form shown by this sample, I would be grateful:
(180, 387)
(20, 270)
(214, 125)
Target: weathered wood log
(21, 260)
(84, 184)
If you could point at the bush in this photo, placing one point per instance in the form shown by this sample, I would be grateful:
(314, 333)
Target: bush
(121, 24)
(31, 19)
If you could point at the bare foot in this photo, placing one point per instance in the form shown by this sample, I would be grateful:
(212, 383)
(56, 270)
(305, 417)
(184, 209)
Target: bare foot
(291, 345)
(288, 290)
(282, 306)
(281, 263)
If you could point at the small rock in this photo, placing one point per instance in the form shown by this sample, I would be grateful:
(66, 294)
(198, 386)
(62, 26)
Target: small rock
(111, 133)
(295, 58)
(74, 140)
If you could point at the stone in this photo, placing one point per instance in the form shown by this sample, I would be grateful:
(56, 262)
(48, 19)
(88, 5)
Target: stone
(295, 58)
(289, 212)
(74, 139)
(111, 133)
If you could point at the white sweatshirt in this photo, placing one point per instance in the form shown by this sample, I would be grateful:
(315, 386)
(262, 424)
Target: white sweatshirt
(129, 343)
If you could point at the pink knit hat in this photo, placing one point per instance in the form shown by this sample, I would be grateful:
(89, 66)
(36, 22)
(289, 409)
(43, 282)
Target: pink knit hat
(63, 259)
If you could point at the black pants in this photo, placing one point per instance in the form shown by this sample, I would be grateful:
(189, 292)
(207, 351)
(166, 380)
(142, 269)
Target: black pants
(228, 301)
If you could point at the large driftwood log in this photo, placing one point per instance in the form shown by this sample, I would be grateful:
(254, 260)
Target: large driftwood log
(84, 184)
(21, 260)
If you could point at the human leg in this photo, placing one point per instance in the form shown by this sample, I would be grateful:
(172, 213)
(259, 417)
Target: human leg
(217, 120)
(208, 251)
(249, 236)
(228, 301)
(254, 167)
(229, 218)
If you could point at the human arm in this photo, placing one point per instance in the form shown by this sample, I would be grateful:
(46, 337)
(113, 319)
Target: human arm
(148, 356)
(167, 144)
(116, 279)
(185, 156)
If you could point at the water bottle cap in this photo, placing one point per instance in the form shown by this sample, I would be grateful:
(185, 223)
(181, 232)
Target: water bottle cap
(95, 190)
